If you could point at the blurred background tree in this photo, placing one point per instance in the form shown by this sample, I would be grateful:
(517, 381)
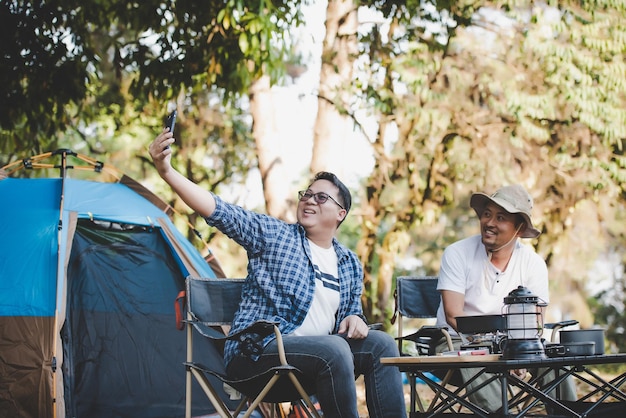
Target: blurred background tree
(451, 97)
(478, 95)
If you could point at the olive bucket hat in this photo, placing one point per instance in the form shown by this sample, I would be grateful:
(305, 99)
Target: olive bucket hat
(513, 199)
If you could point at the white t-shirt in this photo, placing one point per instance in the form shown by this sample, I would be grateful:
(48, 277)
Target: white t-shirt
(320, 320)
(466, 268)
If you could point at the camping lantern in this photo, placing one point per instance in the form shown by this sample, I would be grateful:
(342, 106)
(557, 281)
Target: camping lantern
(524, 325)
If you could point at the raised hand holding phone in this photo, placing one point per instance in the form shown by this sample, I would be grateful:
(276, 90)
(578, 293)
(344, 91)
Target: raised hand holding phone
(171, 123)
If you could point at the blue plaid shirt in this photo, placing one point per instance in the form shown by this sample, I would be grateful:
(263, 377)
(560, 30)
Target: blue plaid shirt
(281, 279)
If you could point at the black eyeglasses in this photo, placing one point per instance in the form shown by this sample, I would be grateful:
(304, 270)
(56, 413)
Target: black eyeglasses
(320, 197)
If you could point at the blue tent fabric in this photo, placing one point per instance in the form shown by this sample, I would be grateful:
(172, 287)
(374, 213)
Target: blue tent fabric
(29, 218)
(119, 328)
(87, 269)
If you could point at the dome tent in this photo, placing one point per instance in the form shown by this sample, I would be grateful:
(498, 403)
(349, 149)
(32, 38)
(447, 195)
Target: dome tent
(90, 278)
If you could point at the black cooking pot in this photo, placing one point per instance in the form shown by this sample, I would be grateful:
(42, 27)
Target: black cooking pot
(584, 335)
(479, 324)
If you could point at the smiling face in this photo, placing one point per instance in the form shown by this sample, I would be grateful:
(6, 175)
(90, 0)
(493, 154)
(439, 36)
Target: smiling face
(498, 227)
(320, 218)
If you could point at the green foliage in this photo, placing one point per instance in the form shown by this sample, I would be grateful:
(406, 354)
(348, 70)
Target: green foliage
(59, 55)
(232, 43)
(39, 74)
(480, 94)
(608, 308)
(485, 94)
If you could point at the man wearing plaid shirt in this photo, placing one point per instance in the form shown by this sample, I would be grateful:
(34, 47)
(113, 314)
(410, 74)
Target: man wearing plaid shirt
(301, 277)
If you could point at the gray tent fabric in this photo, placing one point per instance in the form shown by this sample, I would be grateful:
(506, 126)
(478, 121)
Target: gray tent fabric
(90, 273)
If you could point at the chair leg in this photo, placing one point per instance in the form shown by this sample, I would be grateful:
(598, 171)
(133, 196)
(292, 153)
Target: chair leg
(261, 395)
(272, 410)
(311, 412)
(305, 396)
(241, 406)
(444, 382)
(301, 408)
(188, 380)
(278, 409)
(213, 396)
(188, 375)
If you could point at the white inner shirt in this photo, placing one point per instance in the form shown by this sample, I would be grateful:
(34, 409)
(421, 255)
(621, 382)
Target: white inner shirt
(320, 320)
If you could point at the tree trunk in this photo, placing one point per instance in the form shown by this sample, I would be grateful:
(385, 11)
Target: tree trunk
(339, 50)
(372, 214)
(276, 183)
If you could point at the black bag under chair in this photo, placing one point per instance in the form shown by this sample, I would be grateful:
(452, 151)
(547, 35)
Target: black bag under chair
(211, 305)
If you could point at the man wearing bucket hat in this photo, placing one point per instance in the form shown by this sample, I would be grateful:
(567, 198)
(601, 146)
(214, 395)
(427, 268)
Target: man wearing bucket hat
(478, 272)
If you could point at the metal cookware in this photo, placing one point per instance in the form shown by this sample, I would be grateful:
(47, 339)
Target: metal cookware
(479, 324)
(583, 348)
(595, 335)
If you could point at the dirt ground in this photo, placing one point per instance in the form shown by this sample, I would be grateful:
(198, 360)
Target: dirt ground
(423, 391)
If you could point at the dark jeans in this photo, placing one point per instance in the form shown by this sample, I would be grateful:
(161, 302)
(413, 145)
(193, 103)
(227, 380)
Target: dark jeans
(334, 362)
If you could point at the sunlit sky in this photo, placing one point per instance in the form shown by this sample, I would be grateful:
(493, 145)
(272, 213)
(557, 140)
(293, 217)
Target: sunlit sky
(295, 107)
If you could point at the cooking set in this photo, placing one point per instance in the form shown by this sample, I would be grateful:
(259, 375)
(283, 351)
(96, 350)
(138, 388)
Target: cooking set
(490, 332)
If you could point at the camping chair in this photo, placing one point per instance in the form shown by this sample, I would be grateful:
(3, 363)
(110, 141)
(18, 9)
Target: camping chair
(418, 297)
(211, 305)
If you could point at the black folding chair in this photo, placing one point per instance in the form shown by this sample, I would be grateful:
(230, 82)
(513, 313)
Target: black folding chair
(418, 297)
(211, 306)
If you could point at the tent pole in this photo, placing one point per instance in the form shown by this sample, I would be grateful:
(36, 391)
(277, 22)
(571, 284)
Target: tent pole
(58, 281)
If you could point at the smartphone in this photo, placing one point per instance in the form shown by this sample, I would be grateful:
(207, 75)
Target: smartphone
(171, 122)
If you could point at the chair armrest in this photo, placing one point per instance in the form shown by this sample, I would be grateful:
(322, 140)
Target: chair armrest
(262, 328)
(430, 334)
(249, 338)
(429, 331)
